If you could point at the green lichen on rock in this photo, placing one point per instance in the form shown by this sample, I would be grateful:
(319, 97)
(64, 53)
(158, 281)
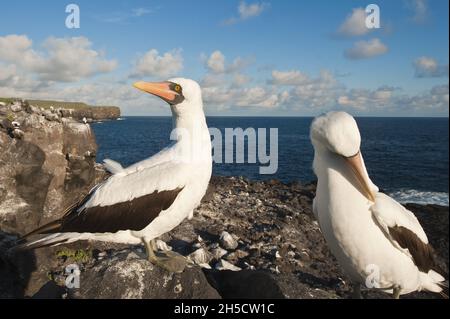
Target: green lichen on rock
(76, 255)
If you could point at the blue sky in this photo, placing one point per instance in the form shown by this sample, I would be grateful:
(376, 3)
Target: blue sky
(269, 58)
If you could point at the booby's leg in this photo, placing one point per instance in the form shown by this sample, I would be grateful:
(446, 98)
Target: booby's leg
(168, 260)
(396, 293)
(356, 294)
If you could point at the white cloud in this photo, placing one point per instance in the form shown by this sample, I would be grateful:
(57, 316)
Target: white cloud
(240, 80)
(292, 77)
(364, 99)
(385, 99)
(429, 67)
(366, 49)
(153, 64)
(354, 24)
(420, 10)
(64, 59)
(251, 10)
(228, 97)
(6, 72)
(216, 63)
(435, 99)
(247, 11)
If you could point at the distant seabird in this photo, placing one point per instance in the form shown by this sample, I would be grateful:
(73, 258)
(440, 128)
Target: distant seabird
(375, 239)
(145, 200)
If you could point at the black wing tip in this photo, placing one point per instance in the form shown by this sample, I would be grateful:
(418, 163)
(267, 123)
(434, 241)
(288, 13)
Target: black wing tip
(45, 229)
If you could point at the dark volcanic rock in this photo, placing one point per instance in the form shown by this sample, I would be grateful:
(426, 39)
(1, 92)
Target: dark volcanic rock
(45, 171)
(130, 275)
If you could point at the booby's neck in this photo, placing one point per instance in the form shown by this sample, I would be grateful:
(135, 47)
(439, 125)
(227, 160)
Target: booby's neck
(330, 167)
(191, 134)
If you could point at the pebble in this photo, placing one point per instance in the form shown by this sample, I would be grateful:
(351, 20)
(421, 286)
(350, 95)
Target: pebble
(227, 241)
(16, 107)
(225, 265)
(200, 256)
(161, 245)
(219, 252)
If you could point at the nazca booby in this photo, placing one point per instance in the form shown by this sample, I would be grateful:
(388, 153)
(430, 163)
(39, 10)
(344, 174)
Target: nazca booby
(376, 240)
(145, 200)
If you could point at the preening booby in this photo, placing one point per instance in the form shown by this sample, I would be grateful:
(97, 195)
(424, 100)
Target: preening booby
(376, 240)
(145, 200)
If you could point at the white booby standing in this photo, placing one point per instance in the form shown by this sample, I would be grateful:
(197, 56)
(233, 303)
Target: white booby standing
(375, 239)
(145, 200)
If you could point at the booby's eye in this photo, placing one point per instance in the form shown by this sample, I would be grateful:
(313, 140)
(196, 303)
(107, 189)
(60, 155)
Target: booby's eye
(177, 88)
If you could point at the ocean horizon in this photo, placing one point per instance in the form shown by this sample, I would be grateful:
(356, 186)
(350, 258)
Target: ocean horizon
(407, 157)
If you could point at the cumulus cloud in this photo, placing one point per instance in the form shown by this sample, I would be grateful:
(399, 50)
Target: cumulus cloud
(153, 64)
(63, 59)
(228, 97)
(354, 24)
(429, 67)
(226, 86)
(216, 63)
(247, 11)
(6, 72)
(388, 99)
(364, 99)
(366, 49)
(293, 77)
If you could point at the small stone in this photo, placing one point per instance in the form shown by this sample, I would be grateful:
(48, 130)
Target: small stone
(205, 266)
(227, 241)
(18, 133)
(225, 265)
(161, 245)
(241, 253)
(178, 288)
(16, 107)
(200, 256)
(219, 252)
(275, 270)
(214, 245)
(251, 267)
(49, 116)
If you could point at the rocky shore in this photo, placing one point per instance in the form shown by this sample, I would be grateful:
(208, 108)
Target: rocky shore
(248, 239)
(74, 110)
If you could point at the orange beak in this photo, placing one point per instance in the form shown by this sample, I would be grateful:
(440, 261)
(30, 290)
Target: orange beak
(356, 165)
(160, 89)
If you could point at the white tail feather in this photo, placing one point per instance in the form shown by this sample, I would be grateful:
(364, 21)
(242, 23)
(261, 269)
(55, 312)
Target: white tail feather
(432, 281)
(112, 166)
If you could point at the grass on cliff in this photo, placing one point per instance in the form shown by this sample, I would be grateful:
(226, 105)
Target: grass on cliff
(45, 104)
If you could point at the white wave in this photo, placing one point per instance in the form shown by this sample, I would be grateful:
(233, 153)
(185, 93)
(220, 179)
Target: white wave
(405, 196)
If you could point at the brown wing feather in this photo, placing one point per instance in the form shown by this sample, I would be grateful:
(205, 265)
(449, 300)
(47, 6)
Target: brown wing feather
(422, 254)
(134, 215)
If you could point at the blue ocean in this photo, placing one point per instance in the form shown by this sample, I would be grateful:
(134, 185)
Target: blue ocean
(407, 158)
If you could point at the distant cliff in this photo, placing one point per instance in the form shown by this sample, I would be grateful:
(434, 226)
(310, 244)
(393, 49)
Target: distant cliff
(94, 113)
(76, 110)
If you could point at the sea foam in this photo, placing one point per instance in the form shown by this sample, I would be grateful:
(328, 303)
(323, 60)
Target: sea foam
(420, 197)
